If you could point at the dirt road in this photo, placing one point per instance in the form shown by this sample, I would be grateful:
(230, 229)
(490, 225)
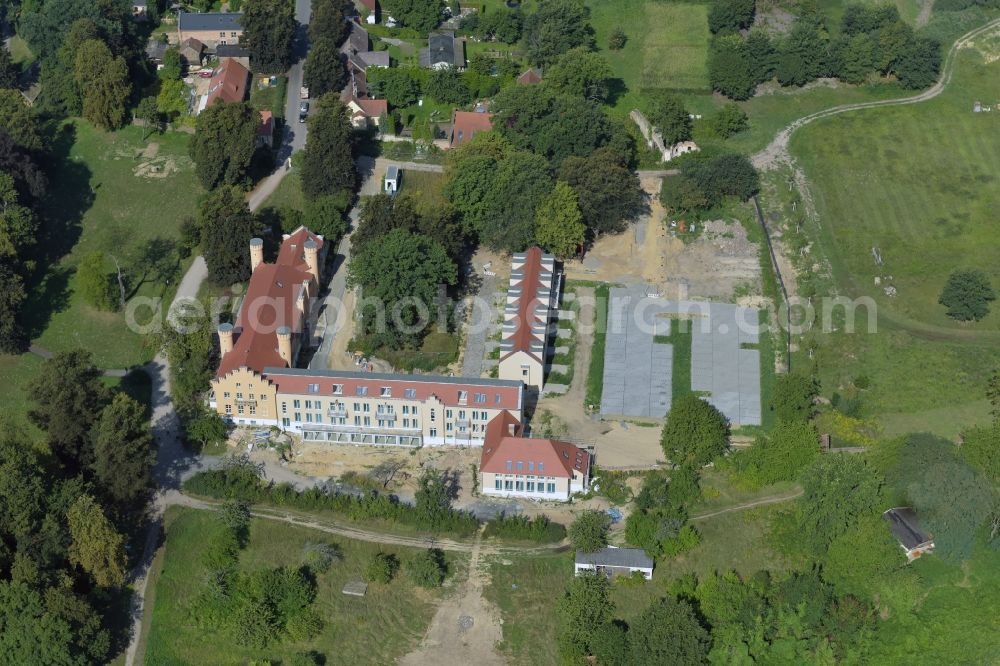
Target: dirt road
(775, 499)
(466, 627)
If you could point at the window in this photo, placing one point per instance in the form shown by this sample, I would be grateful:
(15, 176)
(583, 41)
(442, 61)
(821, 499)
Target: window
(318, 418)
(314, 388)
(447, 426)
(239, 395)
(229, 409)
(250, 396)
(385, 392)
(285, 422)
(433, 432)
(406, 409)
(496, 484)
(362, 390)
(433, 417)
(406, 423)
(284, 408)
(531, 466)
(416, 424)
(520, 466)
(239, 409)
(524, 372)
(250, 386)
(357, 406)
(480, 398)
(461, 414)
(463, 397)
(508, 484)
(225, 394)
(410, 393)
(253, 410)
(368, 420)
(309, 404)
(357, 420)
(448, 414)
(232, 34)
(498, 399)
(552, 488)
(541, 467)
(519, 485)
(338, 389)
(531, 486)
(309, 417)
(510, 465)
(296, 404)
(298, 416)
(222, 34)
(366, 408)
(238, 385)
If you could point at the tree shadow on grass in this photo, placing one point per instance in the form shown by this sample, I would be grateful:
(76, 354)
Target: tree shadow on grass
(51, 294)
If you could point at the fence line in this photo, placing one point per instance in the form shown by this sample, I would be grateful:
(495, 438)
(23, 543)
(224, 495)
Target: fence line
(781, 282)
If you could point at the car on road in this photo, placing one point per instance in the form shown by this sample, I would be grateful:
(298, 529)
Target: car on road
(303, 111)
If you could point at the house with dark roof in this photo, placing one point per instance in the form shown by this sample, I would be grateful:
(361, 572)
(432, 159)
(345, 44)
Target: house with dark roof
(192, 52)
(613, 562)
(443, 50)
(229, 84)
(905, 526)
(467, 124)
(532, 302)
(240, 54)
(530, 467)
(155, 49)
(211, 29)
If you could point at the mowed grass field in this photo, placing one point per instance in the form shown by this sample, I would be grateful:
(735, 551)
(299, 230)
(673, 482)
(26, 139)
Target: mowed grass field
(920, 183)
(375, 629)
(666, 47)
(115, 194)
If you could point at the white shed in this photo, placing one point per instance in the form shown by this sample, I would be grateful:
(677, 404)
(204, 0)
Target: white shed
(392, 176)
(612, 562)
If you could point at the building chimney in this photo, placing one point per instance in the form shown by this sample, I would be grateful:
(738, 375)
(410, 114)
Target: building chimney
(312, 258)
(256, 253)
(225, 338)
(285, 344)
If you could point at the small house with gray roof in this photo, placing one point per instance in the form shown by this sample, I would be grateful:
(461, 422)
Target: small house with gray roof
(613, 562)
(905, 526)
(443, 50)
(211, 29)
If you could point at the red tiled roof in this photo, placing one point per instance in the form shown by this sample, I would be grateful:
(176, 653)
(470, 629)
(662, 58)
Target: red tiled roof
(466, 124)
(270, 302)
(530, 77)
(373, 108)
(229, 84)
(266, 127)
(550, 457)
(292, 252)
(527, 304)
(445, 389)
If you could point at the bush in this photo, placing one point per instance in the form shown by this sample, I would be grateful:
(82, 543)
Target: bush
(967, 295)
(695, 432)
(617, 39)
(589, 532)
(428, 568)
(521, 528)
(381, 568)
(96, 283)
(319, 557)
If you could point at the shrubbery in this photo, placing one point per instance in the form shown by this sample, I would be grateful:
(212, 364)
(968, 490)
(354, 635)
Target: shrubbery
(427, 568)
(521, 528)
(381, 568)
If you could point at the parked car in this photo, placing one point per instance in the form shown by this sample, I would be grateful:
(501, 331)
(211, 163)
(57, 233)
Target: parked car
(303, 93)
(206, 73)
(303, 111)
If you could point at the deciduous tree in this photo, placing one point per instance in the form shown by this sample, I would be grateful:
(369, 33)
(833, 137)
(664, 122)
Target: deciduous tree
(731, 67)
(327, 163)
(324, 70)
(427, 568)
(581, 73)
(794, 396)
(421, 15)
(585, 607)
(837, 489)
(730, 15)
(172, 99)
(269, 32)
(608, 190)
(589, 532)
(104, 81)
(559, 226)
(556, 27)
(668, 632)
(695, 432)
(670, 117)
(224, 143)
(967, 295)
(124, 455)
(96, 546)
(226, 229)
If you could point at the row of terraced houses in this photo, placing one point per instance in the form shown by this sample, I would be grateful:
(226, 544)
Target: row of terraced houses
(258, 383)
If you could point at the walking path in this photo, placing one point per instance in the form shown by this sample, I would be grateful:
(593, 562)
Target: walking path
(749, 505)
(479, 328)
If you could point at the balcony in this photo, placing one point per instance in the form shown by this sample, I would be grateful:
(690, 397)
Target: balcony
(385, 416)
(246, 401)
(337, 412)
(332, 427)
(462, 423)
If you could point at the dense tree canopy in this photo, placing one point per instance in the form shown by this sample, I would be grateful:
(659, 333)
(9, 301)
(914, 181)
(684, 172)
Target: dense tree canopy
(559, 227)
(323, 69)
(421, 15)
(836, 490)
(556, 27)
(581, 73)
(670, 117)
(731, 67)
(589, 532)
(695, 432)
(794, 396)
(327, 162)
(226, 229)
(730, 15)
(608, 189)
(104, 81)
(269, 32)
(224, 143)
(668, 633)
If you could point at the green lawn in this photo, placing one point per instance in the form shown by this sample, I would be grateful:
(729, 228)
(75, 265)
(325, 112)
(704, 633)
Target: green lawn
(112, 193)
(666, 47)
(919, 183)
(17, 371)
(376, 629)
(271, 98)
(288, 193)
(20, 52)
(426, 186)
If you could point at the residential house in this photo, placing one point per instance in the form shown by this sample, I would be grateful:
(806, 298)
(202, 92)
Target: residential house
(192, 52)
(467, 124)
(530, 467)
(140, 10)
(155, 50)
(265, 130)
(530, 77)
(532, 302)
(257, 383)
(371, 6)
(357, 51)
(613, 562)
(229, 84)
(367, 112)
(443, 50)
(210, 29)
(905, 527)
(235, 52)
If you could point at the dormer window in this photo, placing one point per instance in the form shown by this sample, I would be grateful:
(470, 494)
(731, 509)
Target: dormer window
(362, 390)
(385, 392)
(338, 389)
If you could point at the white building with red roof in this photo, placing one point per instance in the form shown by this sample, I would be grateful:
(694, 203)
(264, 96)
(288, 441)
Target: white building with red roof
(530, 467)
(532, 302)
